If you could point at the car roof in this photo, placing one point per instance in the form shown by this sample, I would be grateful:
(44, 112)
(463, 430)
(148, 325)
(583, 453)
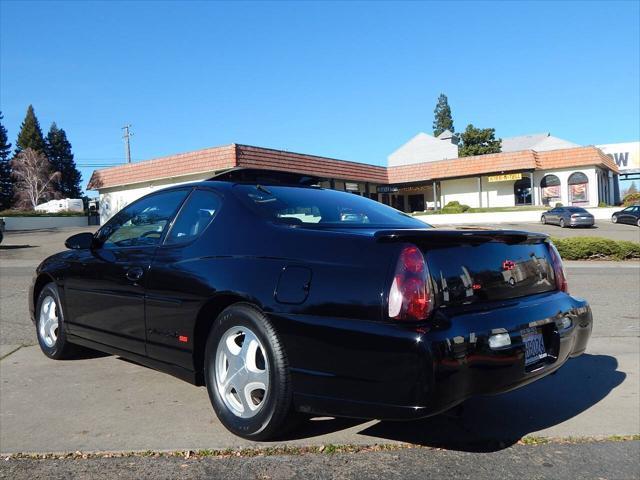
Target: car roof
(251, 176)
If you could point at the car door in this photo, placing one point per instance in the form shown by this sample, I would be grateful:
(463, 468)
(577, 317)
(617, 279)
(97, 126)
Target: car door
(552, 215)
(178, 281)
(628, 215)
(105, 286)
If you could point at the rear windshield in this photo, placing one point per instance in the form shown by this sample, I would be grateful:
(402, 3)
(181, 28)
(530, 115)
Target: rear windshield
(576, 210)
(316, 206)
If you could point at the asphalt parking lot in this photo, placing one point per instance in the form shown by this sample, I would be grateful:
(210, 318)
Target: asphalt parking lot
(103, 403)
(602, 228)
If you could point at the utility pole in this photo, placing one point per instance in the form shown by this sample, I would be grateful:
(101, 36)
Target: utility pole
(126, 135)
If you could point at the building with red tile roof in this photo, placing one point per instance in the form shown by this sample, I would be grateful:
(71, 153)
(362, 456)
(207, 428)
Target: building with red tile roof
(573, 175)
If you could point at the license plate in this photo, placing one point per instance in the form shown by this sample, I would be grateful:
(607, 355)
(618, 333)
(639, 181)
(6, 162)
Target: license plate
(533, 345)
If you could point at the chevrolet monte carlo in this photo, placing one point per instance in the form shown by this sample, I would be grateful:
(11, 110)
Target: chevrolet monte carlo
(286, 299)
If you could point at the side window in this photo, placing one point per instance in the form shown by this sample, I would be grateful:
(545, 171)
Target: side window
(194, 217)
(142, 223)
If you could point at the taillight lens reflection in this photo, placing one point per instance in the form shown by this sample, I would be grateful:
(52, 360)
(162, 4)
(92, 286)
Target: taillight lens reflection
(558, 269)
(410, 296)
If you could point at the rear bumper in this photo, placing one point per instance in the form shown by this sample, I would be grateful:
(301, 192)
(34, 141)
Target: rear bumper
(582, 222)
(396, 372)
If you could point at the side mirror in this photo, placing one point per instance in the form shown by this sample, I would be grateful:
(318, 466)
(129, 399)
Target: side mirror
(79, 241)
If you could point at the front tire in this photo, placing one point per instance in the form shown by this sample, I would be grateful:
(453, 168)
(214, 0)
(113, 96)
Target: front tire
(543, 220)
(614, 219)
(638, 222)
(50, 329)
(247, 374)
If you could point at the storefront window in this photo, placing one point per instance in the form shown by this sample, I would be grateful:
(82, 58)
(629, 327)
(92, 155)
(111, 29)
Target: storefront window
(578, 189)
(416, 203)
(550, 190)
(522, 191)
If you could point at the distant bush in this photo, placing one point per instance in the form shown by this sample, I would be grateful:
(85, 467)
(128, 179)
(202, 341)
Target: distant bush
(455, 207)
(631, 199)
(33, 213)
(559, 204)
(593, 248)
(602, 204)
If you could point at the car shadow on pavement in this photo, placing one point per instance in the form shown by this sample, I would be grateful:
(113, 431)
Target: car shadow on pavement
(15, 247)
(491, 423)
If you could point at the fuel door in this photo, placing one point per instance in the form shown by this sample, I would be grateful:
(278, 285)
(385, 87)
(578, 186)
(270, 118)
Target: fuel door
(293, 285)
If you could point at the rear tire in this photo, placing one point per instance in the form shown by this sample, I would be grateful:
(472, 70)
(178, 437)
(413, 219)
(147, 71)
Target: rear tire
(50, 328)
(562, 223)
(638, 222)
(247, 374)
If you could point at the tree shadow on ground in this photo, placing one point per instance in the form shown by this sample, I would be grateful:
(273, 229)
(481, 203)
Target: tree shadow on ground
(491, 423)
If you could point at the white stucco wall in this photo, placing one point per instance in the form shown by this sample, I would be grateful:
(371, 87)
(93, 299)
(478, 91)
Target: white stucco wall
(463, 190)
(501, 194)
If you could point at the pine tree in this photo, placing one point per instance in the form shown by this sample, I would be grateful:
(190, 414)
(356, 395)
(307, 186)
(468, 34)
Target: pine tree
(30, 135)
(58, 150)
(6, 182)
(442, 116)
(479, 141)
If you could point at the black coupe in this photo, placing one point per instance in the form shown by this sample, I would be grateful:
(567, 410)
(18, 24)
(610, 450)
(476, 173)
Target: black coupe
(630, 215)
(285, 298)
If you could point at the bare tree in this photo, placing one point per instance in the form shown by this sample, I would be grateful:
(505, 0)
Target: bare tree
(34, 178)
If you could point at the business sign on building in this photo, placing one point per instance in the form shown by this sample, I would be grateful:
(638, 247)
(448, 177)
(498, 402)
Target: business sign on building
(505, 178)
(626, 155)
(387, 189)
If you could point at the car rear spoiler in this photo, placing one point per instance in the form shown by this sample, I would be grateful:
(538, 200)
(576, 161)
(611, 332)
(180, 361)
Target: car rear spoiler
(458, 237)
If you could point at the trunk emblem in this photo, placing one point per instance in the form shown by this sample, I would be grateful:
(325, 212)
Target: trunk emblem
(508, 265)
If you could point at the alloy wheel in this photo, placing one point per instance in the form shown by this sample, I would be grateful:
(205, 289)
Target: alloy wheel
(242, 372)
(48, 322)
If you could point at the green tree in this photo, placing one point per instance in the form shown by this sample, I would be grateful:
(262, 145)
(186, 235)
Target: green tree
(30, 135)
(442, 116)
(6, 181)
(58, 150)
(479, 141)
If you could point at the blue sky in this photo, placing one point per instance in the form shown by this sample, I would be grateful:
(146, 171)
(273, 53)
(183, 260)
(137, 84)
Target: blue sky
(346, 80)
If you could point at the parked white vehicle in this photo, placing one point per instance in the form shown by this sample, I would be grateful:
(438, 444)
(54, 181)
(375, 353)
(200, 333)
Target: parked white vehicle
(62, 205)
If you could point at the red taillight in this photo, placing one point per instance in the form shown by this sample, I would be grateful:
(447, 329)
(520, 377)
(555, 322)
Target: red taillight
(558, 269)
(410, 297)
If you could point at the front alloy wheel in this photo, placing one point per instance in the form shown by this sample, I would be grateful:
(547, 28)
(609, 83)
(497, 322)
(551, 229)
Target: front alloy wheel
(614, 219)
(543, 220)
(50, 325)
(247, 374)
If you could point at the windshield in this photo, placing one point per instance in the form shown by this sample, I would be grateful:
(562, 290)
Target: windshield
(297, 205)
(577, 210)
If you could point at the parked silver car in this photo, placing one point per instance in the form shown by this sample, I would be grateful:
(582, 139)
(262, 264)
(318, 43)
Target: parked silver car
(568, 217)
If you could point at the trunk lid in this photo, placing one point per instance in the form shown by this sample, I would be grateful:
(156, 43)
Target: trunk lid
(475, 266)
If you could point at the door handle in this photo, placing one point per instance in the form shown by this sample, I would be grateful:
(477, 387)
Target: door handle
(134, 274)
